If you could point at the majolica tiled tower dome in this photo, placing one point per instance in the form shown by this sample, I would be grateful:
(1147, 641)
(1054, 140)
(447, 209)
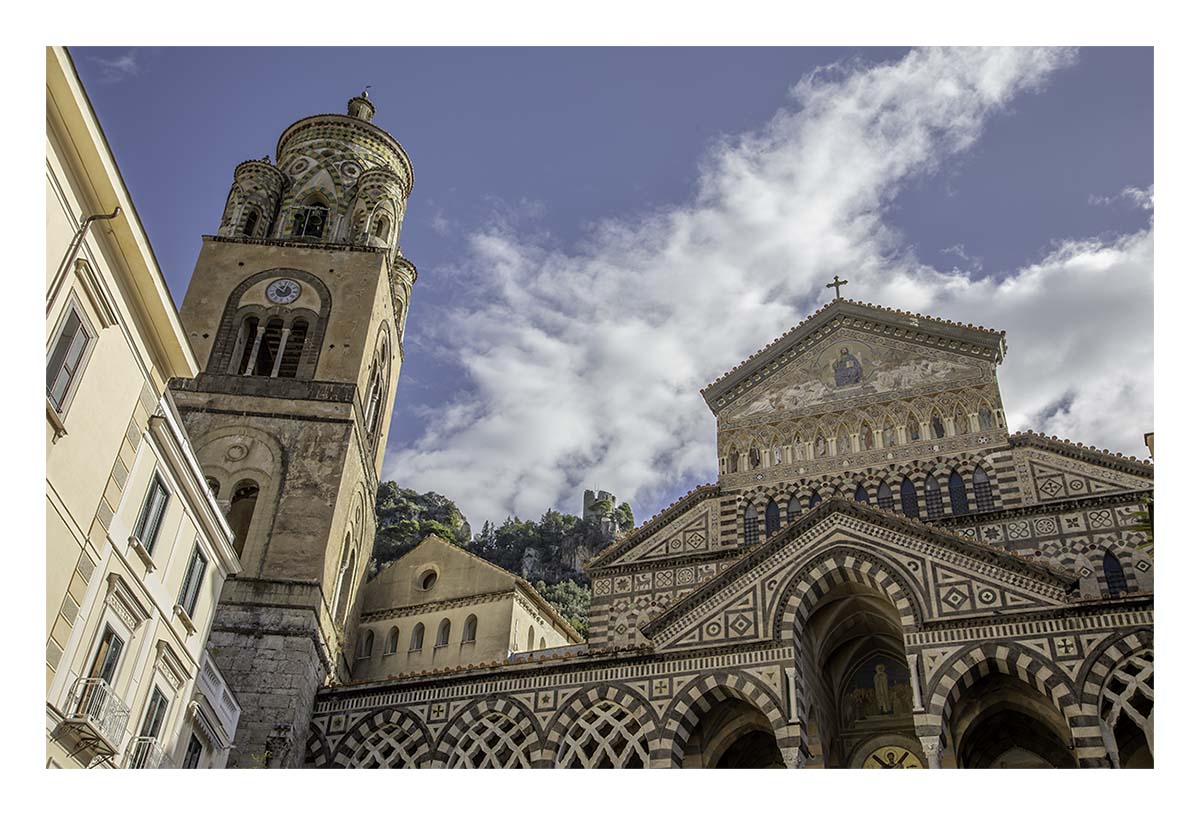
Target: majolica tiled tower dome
(296, 312)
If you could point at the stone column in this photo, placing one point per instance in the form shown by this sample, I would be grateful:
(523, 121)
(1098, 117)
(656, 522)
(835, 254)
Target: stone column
(283, 337)
(262, 328)
(932, 747)
(915, 681)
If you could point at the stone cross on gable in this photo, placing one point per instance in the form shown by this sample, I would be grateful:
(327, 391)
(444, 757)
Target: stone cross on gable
(836, 285)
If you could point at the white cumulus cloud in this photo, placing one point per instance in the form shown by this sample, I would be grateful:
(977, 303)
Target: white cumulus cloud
(585, 363)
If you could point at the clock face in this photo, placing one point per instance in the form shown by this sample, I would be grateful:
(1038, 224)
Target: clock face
(892, 758)
(283, 291)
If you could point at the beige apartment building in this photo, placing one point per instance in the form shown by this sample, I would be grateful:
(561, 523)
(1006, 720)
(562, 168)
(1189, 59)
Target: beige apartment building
(137, 547)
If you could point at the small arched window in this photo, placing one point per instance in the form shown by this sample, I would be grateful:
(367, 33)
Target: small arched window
(241, 513)
(530, 639)
(860, 494)
(814, 499)
(247, 336)
(933, 497)
(1114, 574)
(251, 224)
(366, 645)
(750, 525)
(309, 221)
(986, 420)
(380, 227)
(443, 635)
(392, 644)
(983, 491)
(908, 498)
(795, 509)
(417, 641)
(542, 643)
(936, 427)
(958, 495)
(883, 496)
(772, 518)
(469, 628)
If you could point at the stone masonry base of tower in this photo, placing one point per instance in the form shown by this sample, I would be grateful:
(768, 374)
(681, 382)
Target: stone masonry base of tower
(274, 659)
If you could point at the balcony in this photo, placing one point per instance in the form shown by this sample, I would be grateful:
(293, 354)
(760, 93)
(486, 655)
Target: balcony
(221, 711)
(97, 713)
(143, 753)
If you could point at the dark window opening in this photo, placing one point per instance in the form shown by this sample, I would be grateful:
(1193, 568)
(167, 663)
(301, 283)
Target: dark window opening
(933, 498)
(268, 347)
(293, 350)
(883, 497)
(772, 518)
(241, 512)
(251, 223)
(908, 498)
(1114, 574)
(750, 525)
(958, 494)
(309, 222)
(794, 509)
(983, 491)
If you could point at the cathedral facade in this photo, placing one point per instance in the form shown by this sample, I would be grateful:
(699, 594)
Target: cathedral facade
(882, 576)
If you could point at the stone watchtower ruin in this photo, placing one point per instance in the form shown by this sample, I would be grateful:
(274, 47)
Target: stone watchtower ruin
(296, 313)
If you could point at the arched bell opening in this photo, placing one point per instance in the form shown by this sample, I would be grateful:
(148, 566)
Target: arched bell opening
(1002, 722)
(859, 686)
(732, 734)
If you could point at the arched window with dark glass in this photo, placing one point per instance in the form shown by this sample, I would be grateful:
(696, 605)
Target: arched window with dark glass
(958, 495)
(443, 634)
(908, 498)
(750, 525)
(883, 496)
(309, 221)
(860, 494)
(268, 347)
(366, 645)
(933, 497)
(1114, 574)
(814, 499)
(417, 641)
(392, 644)
(251, 224)
(380, 227)
(983, 490)
(772, 518)
(292, 351)
(794, 510)
(241, 512)
(936, 428)
(469, 626)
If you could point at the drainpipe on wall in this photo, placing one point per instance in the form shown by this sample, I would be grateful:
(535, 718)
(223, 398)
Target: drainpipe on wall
(72, 251)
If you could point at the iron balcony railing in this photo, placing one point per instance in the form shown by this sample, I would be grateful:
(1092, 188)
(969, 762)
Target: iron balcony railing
(143, 753)
(95, 706)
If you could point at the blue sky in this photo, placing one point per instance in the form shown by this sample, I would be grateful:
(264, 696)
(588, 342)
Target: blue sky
(601, 232)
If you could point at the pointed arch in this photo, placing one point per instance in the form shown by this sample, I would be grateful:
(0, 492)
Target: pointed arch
(883, 496)
(866, 437)
(981, 485)
(699, 696)
(772, 517)
(937, 429)
(750, 525)
(908, 498)
(391, 738)
(987, 419)
(814, 499)
(958, 495)
(962, 425)
(860, 494)
(933, 497)
(417, 641)
(1114, 574)
(392, 643)
(912, 428)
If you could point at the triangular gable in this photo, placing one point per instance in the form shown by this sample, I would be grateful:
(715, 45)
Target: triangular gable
(1059, 469)
(949, 576)
(687, 526)
(967, 341)
(460, 574)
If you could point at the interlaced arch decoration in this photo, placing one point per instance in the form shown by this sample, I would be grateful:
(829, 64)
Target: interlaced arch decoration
(1128, 658)
(389, 739)
(607, 735)
(495, 741)
(701, 695)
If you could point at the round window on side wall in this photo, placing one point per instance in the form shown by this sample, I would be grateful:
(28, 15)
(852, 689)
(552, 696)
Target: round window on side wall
(427, 579)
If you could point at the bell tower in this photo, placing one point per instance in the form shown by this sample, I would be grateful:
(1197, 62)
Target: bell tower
(296, 313)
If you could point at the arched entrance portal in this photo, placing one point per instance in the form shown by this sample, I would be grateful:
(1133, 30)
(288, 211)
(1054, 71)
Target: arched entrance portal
(859, 691)
(1002, 722)
(732, 734)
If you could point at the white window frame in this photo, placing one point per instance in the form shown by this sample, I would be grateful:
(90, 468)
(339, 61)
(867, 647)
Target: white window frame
(145, 549)
(187, 587)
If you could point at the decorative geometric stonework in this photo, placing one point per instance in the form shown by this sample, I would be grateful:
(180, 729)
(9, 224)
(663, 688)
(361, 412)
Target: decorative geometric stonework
(1142, 566)
(390, 746)
(954, 598)
(607, 735)
(495, 742)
